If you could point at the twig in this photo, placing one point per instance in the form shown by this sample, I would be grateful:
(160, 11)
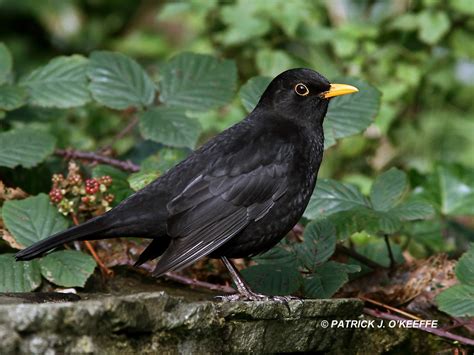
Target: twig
(390, 252)
(133, 122)
(105, 270)
(435, 331)
(91, 156)
(196, 283)
(355, 255)
(393, 309)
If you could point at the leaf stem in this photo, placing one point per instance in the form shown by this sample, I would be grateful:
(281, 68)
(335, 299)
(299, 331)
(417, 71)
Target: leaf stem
(359, 257)
(390, 252)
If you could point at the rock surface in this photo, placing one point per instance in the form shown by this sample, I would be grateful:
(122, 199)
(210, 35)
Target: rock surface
(157, 322)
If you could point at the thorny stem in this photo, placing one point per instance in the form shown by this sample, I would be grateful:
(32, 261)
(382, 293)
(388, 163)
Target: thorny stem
(91, 156)
(435, 331)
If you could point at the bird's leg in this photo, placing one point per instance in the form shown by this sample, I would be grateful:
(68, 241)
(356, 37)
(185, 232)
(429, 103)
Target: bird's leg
(245, 293)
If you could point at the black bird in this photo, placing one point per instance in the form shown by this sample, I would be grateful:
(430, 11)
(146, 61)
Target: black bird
(236, 196)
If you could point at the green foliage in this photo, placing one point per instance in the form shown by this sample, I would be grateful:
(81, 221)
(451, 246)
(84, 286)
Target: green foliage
(197, 82)
(18, 277)
(170, 126)
(32, 219)
(61, 83)
(458, 300)
(120, 188)
(67, 268)
(25, 147)
(119, 82)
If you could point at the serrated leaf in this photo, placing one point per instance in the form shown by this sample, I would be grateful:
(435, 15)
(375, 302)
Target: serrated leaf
(6, 63)
(331, 196)
(271, 279)
(325, 281)
(388, 189)
(458, 301)
(319, 243)
(18, 276)
(197, 82)
(351, 114)
(252, 90)
(11, 97)
(276, 256)
(118, 81)
(412, 210)
(67, 268)
(465, 267)
(32, 219)
(378, 252)
(26, 147)
(61, 83)
(141, 179)
(170, 126)
(120, 187)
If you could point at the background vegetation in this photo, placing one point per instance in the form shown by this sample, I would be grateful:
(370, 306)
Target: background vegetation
(397, 190)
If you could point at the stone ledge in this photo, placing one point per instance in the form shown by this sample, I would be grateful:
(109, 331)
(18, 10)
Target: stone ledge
(159, 322)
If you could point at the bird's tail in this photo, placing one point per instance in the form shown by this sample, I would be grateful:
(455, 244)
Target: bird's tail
(83, 231)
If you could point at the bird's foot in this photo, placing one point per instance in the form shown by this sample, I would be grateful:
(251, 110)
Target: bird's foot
(253, 296)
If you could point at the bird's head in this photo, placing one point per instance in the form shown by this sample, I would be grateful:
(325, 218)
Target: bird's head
(302, 94)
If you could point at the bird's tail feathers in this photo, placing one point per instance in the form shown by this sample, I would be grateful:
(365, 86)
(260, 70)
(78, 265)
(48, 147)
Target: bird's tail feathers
(83, 231)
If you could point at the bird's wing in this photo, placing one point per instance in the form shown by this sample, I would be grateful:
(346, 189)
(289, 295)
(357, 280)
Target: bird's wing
(222, 201)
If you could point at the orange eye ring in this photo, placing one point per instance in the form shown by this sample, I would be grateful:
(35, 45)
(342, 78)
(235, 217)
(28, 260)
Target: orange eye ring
(301, 89)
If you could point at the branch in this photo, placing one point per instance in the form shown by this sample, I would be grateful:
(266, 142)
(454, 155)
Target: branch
(131, 124)
(94, 157)
(435, 331)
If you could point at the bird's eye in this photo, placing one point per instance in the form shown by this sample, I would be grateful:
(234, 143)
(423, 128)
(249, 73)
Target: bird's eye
(301, 89)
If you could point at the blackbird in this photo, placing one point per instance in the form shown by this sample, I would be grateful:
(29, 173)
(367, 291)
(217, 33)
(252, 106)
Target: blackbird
(236, 196)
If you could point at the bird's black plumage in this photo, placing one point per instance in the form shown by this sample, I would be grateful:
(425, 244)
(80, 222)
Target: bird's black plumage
(237, 195)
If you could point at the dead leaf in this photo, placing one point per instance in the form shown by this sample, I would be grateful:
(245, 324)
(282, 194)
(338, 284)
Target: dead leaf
(10, 193)
(6, 236)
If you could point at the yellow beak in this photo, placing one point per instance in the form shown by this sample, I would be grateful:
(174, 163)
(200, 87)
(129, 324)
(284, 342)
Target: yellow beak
(338, 90)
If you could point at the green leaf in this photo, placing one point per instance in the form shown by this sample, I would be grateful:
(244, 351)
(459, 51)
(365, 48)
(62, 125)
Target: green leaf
(67, 268)
(170, 126)
(432, 26)
(378, 252)
(276, 256)
(412, 210)
(387, 189)
(11, 97)
(457, 301)
(272, 279)
(141, 179)
(319, 243)
(272, 62)
(61, 83)
(197, 82)
(118, 81)
(26, 147)
(252, 90)
(6, 63)
(120, 187)
(325, 281)
(18, 276)
(465, 267)
(331, 196)
(463, 6)
(32, 219)
(351, 114)
(451, 189)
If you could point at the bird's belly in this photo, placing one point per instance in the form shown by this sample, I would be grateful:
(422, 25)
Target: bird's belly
(263, 234)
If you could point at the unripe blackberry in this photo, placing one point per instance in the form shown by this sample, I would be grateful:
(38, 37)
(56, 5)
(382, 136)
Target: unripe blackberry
(106, 180)
(92, 186)
(109, 198)
(55, 195)
(57, 178)
(75, 179)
